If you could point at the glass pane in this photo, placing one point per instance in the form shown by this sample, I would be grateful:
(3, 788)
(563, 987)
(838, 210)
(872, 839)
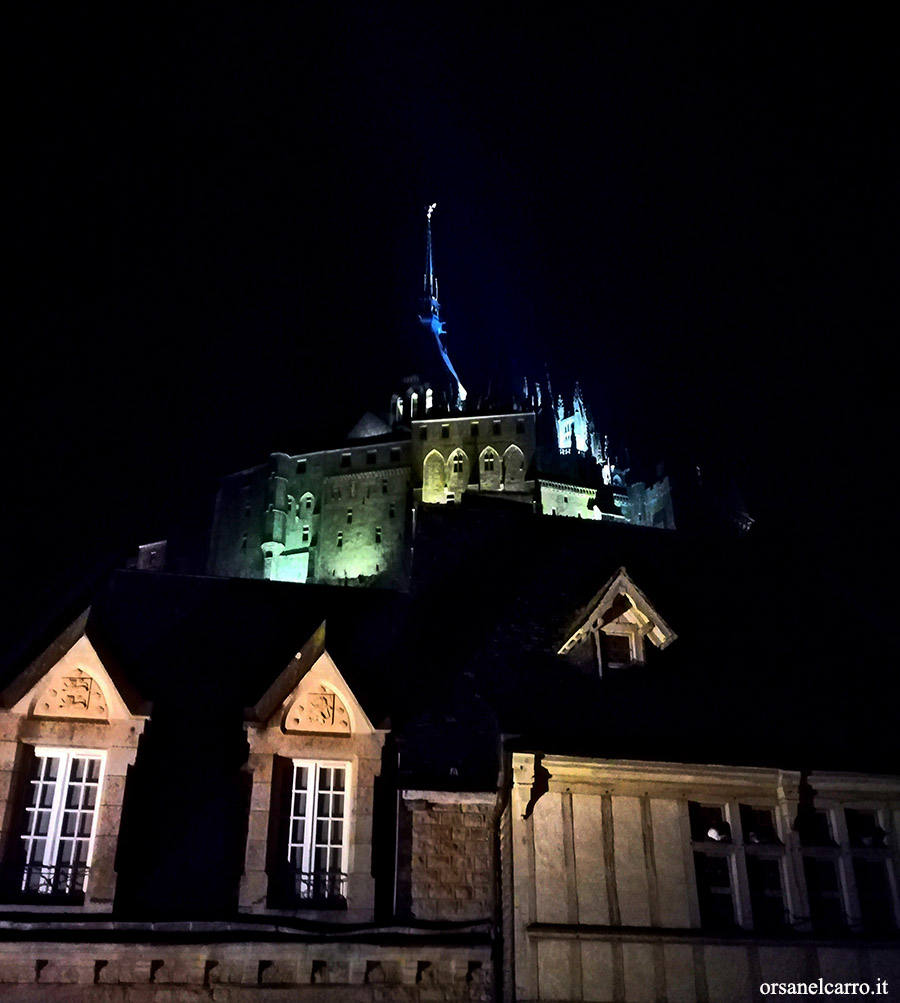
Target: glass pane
(321, 858)
(78, 769)
(337, 806)
(301, 778)
(34, 850)
(42, 823)
(90, 797)
(325, 779)
(93, 773)
(51, 767)
(300, 804)
(321, 832)
(64, 852)
(298, 827)
(334, 859)
(81, 851)
(73, 796)
(324, 806)
(86, 823)
(338, 784)
(706, 818)
(874, 895)
(47, 795)
(337, 833)
(69, 823)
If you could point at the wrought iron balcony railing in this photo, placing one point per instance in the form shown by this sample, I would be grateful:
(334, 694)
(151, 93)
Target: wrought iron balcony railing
(318, 889)
(62, 881)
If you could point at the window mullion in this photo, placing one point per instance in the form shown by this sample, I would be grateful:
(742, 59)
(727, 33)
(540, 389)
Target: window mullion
(51, 853)
(310, 823)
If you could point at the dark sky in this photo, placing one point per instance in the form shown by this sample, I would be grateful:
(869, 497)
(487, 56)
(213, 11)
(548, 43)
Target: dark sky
(217, 238)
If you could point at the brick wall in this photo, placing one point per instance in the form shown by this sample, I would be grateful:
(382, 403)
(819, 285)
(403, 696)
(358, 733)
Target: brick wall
(450, 852)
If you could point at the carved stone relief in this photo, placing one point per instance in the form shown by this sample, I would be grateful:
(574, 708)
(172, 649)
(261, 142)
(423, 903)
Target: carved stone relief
(318, 709)
(73, 693)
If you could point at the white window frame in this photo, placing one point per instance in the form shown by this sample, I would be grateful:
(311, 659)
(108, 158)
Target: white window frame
(57, 811)
(312, 796)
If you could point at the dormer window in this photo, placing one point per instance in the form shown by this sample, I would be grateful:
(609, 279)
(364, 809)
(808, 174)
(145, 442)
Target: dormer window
(616, 631)
(318, 834)
(60, 823)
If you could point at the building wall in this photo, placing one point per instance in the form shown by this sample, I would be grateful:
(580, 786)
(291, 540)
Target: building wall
(280, 521)
(232, 971)
(446, 856)
(605, 896)
(568, 500)
(509, 439)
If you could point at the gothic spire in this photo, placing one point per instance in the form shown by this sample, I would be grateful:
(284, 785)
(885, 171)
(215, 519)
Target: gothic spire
(430, 314)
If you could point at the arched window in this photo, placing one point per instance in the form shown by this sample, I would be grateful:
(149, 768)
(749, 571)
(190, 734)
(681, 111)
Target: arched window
(457, 472)
(489, 469)
(433, 478)
(513, 468)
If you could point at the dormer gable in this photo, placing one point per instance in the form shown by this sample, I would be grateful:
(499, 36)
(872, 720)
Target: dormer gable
(311, 696)
(69, 681)
(620, 620)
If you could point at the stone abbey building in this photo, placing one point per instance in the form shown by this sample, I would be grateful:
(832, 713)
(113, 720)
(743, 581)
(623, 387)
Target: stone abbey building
(538, 759)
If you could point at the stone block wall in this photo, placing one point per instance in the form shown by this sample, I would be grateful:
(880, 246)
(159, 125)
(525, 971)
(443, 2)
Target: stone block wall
(231, 972)
(446, 856)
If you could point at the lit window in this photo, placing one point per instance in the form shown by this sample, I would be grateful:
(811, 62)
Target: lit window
(429, 399)
(713, 865)
(60, 820)
(317, 838)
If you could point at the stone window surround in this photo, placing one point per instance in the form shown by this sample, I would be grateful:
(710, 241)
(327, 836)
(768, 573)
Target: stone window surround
(111, 728)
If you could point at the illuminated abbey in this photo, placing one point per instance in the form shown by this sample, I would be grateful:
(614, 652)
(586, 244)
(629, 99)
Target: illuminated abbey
(347, 514)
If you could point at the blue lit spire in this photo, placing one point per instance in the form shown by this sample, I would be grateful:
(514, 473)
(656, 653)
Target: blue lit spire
(430, 314)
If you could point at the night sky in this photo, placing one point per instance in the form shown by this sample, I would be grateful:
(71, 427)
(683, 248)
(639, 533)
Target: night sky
(217, 234)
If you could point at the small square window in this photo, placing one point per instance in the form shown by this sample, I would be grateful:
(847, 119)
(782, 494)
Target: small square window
(345, 459)
(863, 828)
(474, 429)
(815, 829)
(349, 516)
(301, 466)
(340, 540)
(708, 823)
(371, 457)
(378, 534)
(423, 433)
(395, 454)
(497, 427)
(758, 825)
(520, 426)
(445, 431)
(393, 510)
